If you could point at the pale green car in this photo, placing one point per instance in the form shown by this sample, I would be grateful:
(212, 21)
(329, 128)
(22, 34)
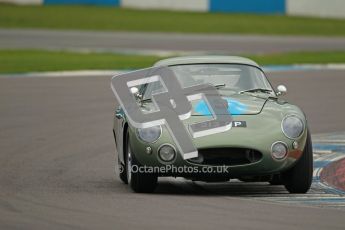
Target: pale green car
(269, 139)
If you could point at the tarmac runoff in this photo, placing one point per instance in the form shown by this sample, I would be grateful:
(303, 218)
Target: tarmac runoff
(163, 43)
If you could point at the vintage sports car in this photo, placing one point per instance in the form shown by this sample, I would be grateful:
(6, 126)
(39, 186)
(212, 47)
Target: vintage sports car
(269, 140)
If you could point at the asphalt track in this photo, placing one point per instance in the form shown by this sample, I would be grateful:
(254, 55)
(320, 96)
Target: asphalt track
(57, 164)
(151, 43)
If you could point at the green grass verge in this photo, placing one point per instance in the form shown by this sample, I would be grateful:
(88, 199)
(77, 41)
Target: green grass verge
(115, 19)
(17, 61)
(323, 57)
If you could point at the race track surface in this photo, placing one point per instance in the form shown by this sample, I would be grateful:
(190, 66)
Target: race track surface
(57, 164)
(150, 42)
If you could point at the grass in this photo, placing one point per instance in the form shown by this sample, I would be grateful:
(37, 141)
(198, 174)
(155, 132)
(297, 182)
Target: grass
(324, 57)
(115, 19)
(17, 61)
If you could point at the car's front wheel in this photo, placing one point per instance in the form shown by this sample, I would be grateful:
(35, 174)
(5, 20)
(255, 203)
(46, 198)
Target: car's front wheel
(138, 181)
(298, 179)
(122, 171)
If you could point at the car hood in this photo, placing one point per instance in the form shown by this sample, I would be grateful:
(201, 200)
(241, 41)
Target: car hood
(238, 104)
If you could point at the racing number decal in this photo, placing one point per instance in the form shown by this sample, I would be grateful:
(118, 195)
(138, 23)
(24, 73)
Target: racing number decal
(237, 124)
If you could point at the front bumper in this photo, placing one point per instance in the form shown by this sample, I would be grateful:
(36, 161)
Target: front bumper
(267, 165)
(261, 132)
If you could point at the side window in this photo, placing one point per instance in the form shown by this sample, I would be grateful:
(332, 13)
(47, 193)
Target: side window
(151, 88)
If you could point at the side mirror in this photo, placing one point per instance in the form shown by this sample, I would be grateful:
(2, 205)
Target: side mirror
(281, 90)
(135, 92)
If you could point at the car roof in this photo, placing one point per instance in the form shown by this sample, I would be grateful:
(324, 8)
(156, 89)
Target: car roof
(205, 60)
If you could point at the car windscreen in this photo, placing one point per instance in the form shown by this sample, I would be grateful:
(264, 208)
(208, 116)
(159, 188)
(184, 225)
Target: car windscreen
(228, 78)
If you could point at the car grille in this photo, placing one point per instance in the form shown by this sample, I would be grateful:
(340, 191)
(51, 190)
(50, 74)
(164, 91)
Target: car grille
(227, 156)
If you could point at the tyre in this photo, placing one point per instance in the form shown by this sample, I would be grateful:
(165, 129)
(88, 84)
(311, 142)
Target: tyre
(139, 182)
(122, 171)
(298, 179)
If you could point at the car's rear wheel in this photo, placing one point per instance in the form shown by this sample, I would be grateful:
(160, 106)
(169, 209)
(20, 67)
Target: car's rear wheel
(138, 181)
(299, 178)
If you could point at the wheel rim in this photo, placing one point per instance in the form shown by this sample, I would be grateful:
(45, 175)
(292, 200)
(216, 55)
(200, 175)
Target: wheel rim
(129, 164)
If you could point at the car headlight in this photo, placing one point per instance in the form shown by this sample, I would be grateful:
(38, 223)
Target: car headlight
(292, 126)
(149, 134)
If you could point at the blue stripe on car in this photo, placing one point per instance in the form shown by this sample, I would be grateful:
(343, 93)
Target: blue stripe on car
(234, 107)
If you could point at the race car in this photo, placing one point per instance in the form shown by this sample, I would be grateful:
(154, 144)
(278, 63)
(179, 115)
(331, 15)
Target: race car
(268, 141)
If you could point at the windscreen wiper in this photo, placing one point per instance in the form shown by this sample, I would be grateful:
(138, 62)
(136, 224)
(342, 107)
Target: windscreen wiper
(219, 86)
(146, 100)
(261, 90)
